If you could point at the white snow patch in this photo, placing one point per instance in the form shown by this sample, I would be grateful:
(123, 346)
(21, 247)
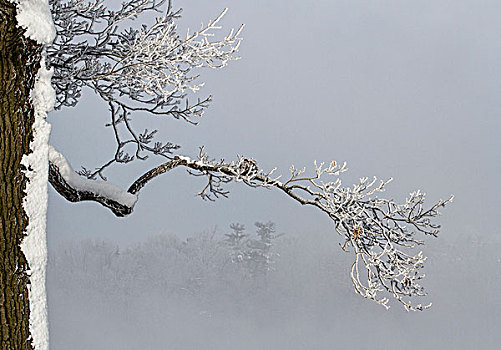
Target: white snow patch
(34, 245)
(43, 95)
(101, 188)
(35, 17)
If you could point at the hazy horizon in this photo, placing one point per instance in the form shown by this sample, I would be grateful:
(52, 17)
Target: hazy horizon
(398, 89)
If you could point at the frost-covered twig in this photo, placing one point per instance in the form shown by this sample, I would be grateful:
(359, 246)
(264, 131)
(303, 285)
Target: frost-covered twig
(150, 69)
(151, 65)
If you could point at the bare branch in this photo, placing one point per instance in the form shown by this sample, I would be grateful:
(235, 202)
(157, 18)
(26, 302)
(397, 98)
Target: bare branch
(380, 232)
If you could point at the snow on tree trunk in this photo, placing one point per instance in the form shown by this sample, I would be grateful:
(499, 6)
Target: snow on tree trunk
(34, 245)
(26, 97)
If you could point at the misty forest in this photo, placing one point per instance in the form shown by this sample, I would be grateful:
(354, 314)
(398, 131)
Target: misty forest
(238, 288)
(300, 260)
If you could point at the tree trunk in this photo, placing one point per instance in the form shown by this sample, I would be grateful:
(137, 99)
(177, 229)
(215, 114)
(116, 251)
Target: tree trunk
(19, 63)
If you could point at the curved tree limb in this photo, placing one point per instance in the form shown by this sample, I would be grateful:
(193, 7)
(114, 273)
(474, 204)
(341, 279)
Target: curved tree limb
(380, 232)
(73, 194)
(224, 172)
(76, 188)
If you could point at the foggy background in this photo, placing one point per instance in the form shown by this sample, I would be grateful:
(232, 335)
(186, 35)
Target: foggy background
(399, 89)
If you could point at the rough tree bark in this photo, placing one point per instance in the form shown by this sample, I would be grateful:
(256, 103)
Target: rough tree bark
(19, 63)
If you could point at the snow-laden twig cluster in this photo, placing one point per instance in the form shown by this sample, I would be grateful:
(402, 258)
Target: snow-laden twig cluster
(148, 69)
(151, 65)
(381, 233)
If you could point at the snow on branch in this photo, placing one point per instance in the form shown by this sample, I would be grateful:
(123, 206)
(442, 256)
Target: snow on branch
(381, 233)
(76, 188)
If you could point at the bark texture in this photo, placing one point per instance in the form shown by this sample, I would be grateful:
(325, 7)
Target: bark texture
(19, 63)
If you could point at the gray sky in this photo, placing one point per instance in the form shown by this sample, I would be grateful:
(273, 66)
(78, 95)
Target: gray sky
(401, 89)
